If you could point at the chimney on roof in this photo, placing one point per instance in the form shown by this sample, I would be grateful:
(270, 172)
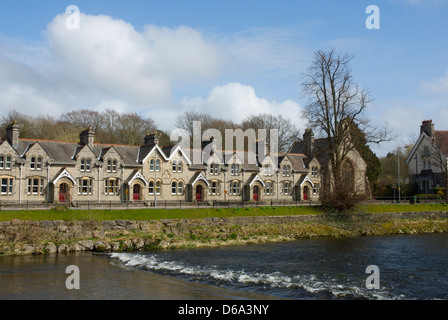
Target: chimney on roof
(308, 137)
(260, 149)
(12, 134)
(152, 138)
(87, 137)
(213, 141)
(428, 128)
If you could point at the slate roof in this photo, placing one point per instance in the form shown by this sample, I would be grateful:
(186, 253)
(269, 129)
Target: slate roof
(64, 153)
(298, 163)
(300, 147)
(441, 141)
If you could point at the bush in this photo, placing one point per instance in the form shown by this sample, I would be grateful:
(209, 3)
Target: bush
(429, 196)
(343, 201)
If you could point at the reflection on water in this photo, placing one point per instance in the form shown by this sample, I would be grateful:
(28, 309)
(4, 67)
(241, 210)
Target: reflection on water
(411, 267)
(43, 277)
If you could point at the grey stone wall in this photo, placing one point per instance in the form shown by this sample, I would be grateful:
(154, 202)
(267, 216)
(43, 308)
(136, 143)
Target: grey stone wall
(78, 235)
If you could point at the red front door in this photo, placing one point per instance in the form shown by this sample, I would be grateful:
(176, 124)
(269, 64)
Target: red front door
(305, 193)
(199, 190)
(136, 192)
(256, 193)
(63, 192)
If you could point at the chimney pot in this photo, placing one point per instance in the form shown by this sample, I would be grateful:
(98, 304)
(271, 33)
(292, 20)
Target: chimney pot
(87, 137)
(12, 134)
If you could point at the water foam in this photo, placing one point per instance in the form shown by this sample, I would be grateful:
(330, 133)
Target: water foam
(309, 283)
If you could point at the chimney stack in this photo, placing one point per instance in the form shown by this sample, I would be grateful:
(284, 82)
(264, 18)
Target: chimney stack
(87, 137)
(152, 138)
(428, 128)
(308, 137)
(12, 134)
(213, 141)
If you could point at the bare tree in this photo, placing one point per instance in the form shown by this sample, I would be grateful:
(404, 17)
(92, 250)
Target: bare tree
(83, 119)
(186, 121)
(437, 159)
(287, 131)
(336, 103)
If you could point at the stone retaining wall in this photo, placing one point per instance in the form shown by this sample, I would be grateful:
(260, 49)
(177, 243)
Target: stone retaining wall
(18, 231)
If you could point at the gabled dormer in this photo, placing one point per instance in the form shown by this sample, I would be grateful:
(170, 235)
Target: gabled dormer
(214, 163)
(234, 165)
(268, 166)
(177, 157)
(111, 158)
(286, 167)
(35, 157)
(7, 156)
(85, 158)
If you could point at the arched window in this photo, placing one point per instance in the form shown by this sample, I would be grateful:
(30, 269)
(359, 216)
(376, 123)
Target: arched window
(151, 187)
(173, 187)
(85, 186)
(234, 187)
(269, 188)
(39, 163)
(111, 186)
(235, 169)
(214, 169)
(158, 187)
(5, 162)
(85, 165)
(174, 166)
(114, 166)
(151, 165)
(157, 165)
(6, 185)
(214, 187)
(268, 170)
(180, 188)
(179, 166)
(33, 163)
(36, 186)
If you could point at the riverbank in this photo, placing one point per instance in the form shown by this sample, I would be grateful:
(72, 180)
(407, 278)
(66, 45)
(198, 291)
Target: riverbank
(20, 237)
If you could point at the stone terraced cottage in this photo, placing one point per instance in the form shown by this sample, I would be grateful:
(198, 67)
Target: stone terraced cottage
(68, 172)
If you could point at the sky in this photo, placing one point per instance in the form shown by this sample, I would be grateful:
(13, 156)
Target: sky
(229, 58)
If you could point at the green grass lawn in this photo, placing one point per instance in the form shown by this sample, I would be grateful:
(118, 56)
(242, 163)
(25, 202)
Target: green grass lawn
(374, 208)
(156, 214)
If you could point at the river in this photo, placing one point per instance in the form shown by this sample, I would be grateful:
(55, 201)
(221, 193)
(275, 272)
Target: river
(409, 267)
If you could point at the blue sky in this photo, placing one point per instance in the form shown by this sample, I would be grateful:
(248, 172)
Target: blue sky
(228, 58)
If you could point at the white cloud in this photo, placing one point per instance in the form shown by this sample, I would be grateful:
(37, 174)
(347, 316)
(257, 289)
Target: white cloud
(439, 85)
(235, 101)
(106, 61)
(140, 65)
